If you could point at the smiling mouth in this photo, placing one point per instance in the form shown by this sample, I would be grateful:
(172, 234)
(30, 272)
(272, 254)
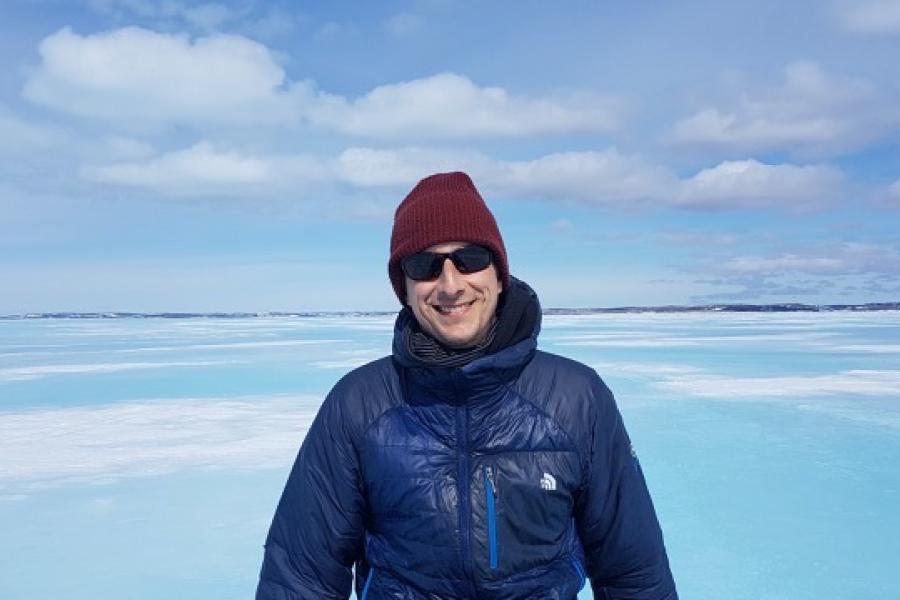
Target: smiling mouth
(452, 309)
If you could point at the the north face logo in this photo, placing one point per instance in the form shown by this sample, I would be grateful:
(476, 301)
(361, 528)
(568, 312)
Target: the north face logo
(548, 482)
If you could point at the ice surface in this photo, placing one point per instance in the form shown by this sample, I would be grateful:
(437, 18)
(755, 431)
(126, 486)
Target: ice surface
(143, 458)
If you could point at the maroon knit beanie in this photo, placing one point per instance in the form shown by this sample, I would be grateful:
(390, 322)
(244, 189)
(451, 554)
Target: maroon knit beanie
(443, 208)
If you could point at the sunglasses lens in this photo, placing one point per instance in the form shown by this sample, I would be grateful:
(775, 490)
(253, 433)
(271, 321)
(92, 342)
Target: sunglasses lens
(428, 265)
(421, 266)
(471, 259)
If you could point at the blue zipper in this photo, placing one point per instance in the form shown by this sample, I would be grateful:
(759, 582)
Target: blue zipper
(491, 515)
(368, 582)
(581, 574)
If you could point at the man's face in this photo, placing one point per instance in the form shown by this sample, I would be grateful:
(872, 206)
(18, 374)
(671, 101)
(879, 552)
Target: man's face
(456, 308)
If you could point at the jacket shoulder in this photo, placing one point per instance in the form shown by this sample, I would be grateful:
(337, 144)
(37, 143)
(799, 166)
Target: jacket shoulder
(365, 393)
(370, 374)
(552, 374)
(545, 359)
(571, 392)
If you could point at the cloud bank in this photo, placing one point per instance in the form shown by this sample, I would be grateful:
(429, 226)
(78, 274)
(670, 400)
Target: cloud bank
(846, 257)
(450, 106)
(604, 177)
(137, 75)
(752, 184)
(848, 268)
(809, 113)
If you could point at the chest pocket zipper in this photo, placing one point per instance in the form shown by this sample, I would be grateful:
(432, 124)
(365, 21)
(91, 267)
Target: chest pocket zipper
(490, 495)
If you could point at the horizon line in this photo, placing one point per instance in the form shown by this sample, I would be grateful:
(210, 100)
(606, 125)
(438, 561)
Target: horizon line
(663, 308)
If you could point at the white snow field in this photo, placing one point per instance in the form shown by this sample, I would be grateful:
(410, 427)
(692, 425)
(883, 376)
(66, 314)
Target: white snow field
(142, 458)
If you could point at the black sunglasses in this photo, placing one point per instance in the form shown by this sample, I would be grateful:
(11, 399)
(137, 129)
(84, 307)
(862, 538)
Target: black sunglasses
(428, 265)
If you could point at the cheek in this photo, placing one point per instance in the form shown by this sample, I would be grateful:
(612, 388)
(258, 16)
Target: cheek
(417, 294)
(410, 292)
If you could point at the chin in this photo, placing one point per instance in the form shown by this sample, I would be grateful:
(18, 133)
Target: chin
(458, 339)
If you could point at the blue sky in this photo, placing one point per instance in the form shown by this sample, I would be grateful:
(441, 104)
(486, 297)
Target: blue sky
(248, 156)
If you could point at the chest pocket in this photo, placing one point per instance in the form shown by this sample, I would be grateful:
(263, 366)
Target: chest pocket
(533, 503)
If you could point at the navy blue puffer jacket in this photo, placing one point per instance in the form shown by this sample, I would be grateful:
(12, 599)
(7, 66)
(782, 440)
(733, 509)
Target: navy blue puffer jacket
(510, 478)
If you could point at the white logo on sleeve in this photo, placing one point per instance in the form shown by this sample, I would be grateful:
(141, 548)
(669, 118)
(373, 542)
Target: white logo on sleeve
(548, 482)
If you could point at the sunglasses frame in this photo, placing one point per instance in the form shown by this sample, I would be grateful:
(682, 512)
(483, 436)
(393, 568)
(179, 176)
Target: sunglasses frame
(436, 266)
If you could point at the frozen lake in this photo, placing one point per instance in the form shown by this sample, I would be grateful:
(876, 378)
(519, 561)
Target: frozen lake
(142, 458)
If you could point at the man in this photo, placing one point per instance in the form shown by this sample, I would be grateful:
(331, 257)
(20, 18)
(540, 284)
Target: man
(467, 465)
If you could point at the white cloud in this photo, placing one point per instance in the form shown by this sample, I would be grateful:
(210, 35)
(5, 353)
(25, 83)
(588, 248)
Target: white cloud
(41, 448)
(122, 147)
(400, 168)
(26, 137)
(878, 17)
(824, 270)
(198, 165)
(203, 170)
(782, 263)
(810, 113)
(604, 177)
(751, 184)
(822, 259)
(18, 134)
(137, 77)
(594, 177)
(448, 105)
(134, 74)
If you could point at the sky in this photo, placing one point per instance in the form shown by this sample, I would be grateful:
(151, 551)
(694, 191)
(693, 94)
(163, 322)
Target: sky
(248, 156)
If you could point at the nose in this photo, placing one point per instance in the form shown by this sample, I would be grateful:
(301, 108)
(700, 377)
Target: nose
(450, 281)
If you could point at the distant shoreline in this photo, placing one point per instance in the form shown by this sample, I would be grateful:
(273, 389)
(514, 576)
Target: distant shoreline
(754, 308)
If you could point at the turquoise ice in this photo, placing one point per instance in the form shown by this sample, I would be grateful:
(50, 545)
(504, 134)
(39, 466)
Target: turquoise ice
(142, 458)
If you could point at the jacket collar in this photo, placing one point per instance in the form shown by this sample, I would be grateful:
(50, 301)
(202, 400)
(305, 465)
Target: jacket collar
(483, 375)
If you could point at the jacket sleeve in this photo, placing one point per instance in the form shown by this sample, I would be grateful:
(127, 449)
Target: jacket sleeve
(317, 532)
(623, 544)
